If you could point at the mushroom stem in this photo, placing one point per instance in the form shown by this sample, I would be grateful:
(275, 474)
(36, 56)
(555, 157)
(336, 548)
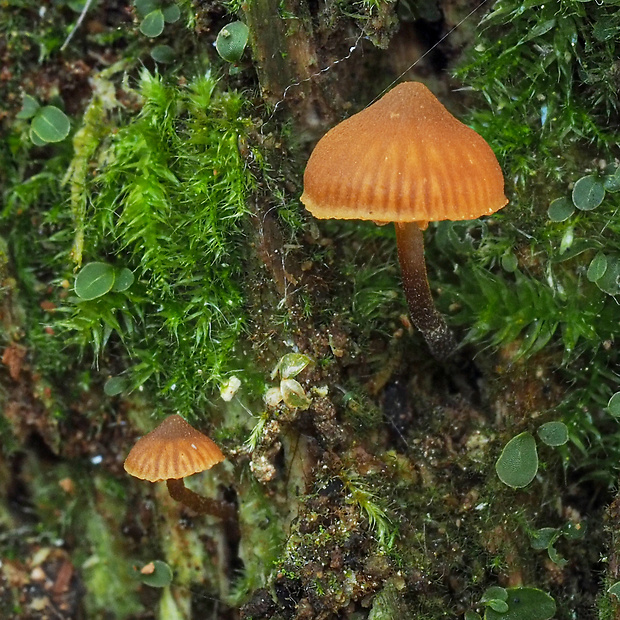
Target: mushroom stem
(202, 505)
(422, 309)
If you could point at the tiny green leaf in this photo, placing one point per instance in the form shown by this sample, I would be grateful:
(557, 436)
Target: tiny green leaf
(615, 589)
(35, 139)
(588, 193)
(518, 462)
(94, 280)
(77, 6)
(509, 262)
(567, 239)
(525, 604)
(555, 557)
(544, 537)
(162, 53)
(290, 365)
(574, 531)
(553, 433)
(231, 41)
(498, 606)
(611, 182)
(123, 280)
(114, 386)
(50, 124)
(159, 575)
(494, 593)
(171, 13)
(153, 24)
(293, 394)
(597, 267)
(560, 210)
(144, 7)
(472, 615)
(609, 282)
(29, 107)
(614, 405)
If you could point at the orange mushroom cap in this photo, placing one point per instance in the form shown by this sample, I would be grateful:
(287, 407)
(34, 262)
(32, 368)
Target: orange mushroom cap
(405, 158)
(172, 450)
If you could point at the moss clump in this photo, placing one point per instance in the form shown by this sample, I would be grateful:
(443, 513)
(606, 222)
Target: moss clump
(549, 74)
(168, 201)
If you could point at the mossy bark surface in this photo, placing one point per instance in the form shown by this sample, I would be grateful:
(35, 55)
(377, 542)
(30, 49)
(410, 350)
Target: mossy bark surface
(360, 469)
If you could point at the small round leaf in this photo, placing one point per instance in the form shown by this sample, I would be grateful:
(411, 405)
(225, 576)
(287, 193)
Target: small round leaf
(472, 615)
(114, 386)
(518, 462)
(556, 558)
(293, 394)
(553, 433)
(291, 364)
(50, 124)
(94, 280)
(525, 604)
(156, 574)
(544, 537)
(498, 606)
(144, 7)
(123, 280)
(611, 182)
(588, 193)
(29, 107)
(609, 282)
(509, 262)
(560, 210)
(162, 53)
(597, 267)
(574, 531)
(77, 6)
(35, 139)
(153, 24)
(231, 41)
(494, 593)
(615, 589)
(614, 405)
(171, 13)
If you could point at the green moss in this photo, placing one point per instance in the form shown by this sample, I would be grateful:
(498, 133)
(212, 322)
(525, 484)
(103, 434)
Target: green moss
(262, 539)
(169, 203)
(370, 505)
(539, 66)
(85, 510)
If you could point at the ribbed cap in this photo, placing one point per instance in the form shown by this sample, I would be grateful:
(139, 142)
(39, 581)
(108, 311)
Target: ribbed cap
(174, 449)
(405, 158)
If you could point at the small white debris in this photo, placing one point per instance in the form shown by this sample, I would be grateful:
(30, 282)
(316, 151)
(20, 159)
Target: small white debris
(229, 389)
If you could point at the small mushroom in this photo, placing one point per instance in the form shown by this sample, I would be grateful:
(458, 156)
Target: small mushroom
(172, 451)
(406, 159)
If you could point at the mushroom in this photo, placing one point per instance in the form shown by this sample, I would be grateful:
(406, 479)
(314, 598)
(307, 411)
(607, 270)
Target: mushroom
(172, 451)
(406, 159)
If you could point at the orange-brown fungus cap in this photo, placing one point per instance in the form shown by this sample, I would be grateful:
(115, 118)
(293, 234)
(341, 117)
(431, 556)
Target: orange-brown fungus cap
(174, 449)
(405, 158)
